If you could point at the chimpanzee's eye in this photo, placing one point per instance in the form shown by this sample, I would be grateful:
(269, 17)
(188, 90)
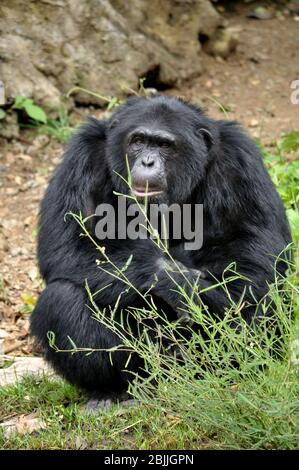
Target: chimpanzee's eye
(137, 140)
(165, 144)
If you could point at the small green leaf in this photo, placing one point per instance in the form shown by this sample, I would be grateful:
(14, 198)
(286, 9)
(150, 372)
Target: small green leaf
(2, 113)
(19, 102)
(72, 342)
(35, 112)
(112, 103)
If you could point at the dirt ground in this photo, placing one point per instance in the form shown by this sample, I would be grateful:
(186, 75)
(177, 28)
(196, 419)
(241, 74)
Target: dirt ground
(252, 84)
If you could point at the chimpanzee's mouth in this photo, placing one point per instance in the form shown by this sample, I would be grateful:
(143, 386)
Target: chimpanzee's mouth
(141, 192)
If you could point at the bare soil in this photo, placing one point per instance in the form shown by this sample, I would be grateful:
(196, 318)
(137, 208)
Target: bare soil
(252, 84)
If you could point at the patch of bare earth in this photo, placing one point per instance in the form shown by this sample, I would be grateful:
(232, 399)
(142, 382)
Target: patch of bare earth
(24, 171)
(253, 84)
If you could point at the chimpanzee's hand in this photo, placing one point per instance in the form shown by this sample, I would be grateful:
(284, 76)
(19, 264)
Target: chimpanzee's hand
(172, 275)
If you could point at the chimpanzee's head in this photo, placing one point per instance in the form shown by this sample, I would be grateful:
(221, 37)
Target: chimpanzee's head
(165, 142)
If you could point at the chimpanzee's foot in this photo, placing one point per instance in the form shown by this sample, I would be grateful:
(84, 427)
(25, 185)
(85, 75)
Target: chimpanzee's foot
(96, 404)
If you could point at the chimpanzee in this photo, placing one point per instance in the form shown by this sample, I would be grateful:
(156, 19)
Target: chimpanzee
(175, 154)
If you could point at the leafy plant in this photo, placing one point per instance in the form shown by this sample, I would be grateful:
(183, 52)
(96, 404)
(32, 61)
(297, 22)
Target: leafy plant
(283, 166)
(59, 128)
(289, 143)
(32, 110)
(192, 374)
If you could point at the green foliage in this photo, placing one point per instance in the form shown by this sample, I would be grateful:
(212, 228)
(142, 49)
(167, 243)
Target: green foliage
(7, 363)
(289, 143)
(293, 216)
(32, 110)
(188, 400)
(283, 166)
(29, 303)
(285, 174)
(61, 409)
(59, 128)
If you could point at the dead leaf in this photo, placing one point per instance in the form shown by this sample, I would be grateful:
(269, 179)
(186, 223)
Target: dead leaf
(23, 424)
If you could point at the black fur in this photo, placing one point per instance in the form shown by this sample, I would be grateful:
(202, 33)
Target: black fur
(244, 222)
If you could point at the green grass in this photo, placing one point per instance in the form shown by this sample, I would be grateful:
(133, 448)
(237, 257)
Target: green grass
(283, 165)
(61, 407)
(254, 406)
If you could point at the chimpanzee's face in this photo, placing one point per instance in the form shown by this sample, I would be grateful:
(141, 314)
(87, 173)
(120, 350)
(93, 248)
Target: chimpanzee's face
(163, 148)
(150, 151)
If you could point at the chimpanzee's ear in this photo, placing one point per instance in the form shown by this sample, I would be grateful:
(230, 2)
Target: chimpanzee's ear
(207, 137)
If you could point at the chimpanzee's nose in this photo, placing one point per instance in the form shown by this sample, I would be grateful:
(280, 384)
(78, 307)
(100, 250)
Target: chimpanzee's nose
(148, 161)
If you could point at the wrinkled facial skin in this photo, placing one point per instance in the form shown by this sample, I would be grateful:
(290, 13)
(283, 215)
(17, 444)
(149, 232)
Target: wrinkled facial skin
(149, 150)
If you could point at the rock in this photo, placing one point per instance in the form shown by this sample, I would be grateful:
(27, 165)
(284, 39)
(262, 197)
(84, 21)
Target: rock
(150, 91)
(22, 366)
(254, 123)
(24, 157)
(223, 44)
(100, 45)
(16, 251)
(9, 127)
(261, 13)
(33, 273)
(3, 334)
